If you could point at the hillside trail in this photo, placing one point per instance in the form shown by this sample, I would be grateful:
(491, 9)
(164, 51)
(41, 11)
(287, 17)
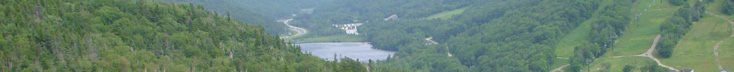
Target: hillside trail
(649, 54)
(716, 47)
(560, 69)
(299, 31)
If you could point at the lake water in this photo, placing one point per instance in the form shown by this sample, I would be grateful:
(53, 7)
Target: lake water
(354, 50)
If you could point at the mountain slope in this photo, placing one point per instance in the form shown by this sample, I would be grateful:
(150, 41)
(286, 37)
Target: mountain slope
(138, 36)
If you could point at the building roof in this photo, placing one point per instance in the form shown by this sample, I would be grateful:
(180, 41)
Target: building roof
(391, 17)
(724, 70)
(686, 70)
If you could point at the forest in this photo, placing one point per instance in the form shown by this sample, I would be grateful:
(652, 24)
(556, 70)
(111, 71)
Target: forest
(501, 36)
(243, 35)
(143, 35)
(260, 12)
(366, 11)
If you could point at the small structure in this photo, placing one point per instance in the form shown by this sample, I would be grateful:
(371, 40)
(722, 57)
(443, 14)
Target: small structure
(350, 28)
(391, 17)
(687, 70)
(429, 41)
(307, 11)
(724, 70)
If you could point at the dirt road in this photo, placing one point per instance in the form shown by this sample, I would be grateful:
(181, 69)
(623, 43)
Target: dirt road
(649, 53)
(560, 69)
(716, 47)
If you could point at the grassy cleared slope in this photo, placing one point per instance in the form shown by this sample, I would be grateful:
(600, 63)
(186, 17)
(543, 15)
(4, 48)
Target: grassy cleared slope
(447, 14)
(638, 37)
(696, 48)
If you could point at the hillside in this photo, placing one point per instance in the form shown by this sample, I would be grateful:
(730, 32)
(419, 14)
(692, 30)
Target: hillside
(142, 36)
(239, 13)
(415, 35)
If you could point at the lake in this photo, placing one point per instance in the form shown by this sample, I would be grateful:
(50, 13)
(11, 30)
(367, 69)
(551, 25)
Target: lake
(354, 50)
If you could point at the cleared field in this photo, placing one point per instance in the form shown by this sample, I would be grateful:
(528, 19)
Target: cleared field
(576, 37)
(638, 37)
(447, 14)
(726, 54)
(695, 50)
(642, 30)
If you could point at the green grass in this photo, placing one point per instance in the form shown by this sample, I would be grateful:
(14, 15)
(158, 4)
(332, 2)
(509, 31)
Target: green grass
(558, 63)
(638, 36)
(726, 49)
(334, 38)
(575, 38)
(695, 50)
(617, 64)
(447, 14)
(726, 54)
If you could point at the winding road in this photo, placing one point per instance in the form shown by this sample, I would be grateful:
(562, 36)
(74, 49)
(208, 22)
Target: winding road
(300, 31)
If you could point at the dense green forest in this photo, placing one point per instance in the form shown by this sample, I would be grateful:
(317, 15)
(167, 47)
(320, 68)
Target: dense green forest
(272, 9)
(494, 36)
(364, 11)
(242, 35)
(262, 12)
(727, 7)
(142, 35)
(239, 13)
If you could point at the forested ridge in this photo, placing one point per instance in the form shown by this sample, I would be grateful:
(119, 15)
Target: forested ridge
(365, 11)
(242, 35)
(262, 12)
(142, 35)
(239, 13)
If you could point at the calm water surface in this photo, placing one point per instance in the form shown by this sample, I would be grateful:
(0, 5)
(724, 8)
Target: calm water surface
(354, 50)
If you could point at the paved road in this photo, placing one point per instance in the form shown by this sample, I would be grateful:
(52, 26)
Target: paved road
(300, 31)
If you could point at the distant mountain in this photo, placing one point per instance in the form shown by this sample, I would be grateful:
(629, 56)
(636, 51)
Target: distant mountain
(262, 12)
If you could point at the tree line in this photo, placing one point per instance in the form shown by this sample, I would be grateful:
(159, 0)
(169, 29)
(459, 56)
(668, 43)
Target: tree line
(492, 35)
(675, 27)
